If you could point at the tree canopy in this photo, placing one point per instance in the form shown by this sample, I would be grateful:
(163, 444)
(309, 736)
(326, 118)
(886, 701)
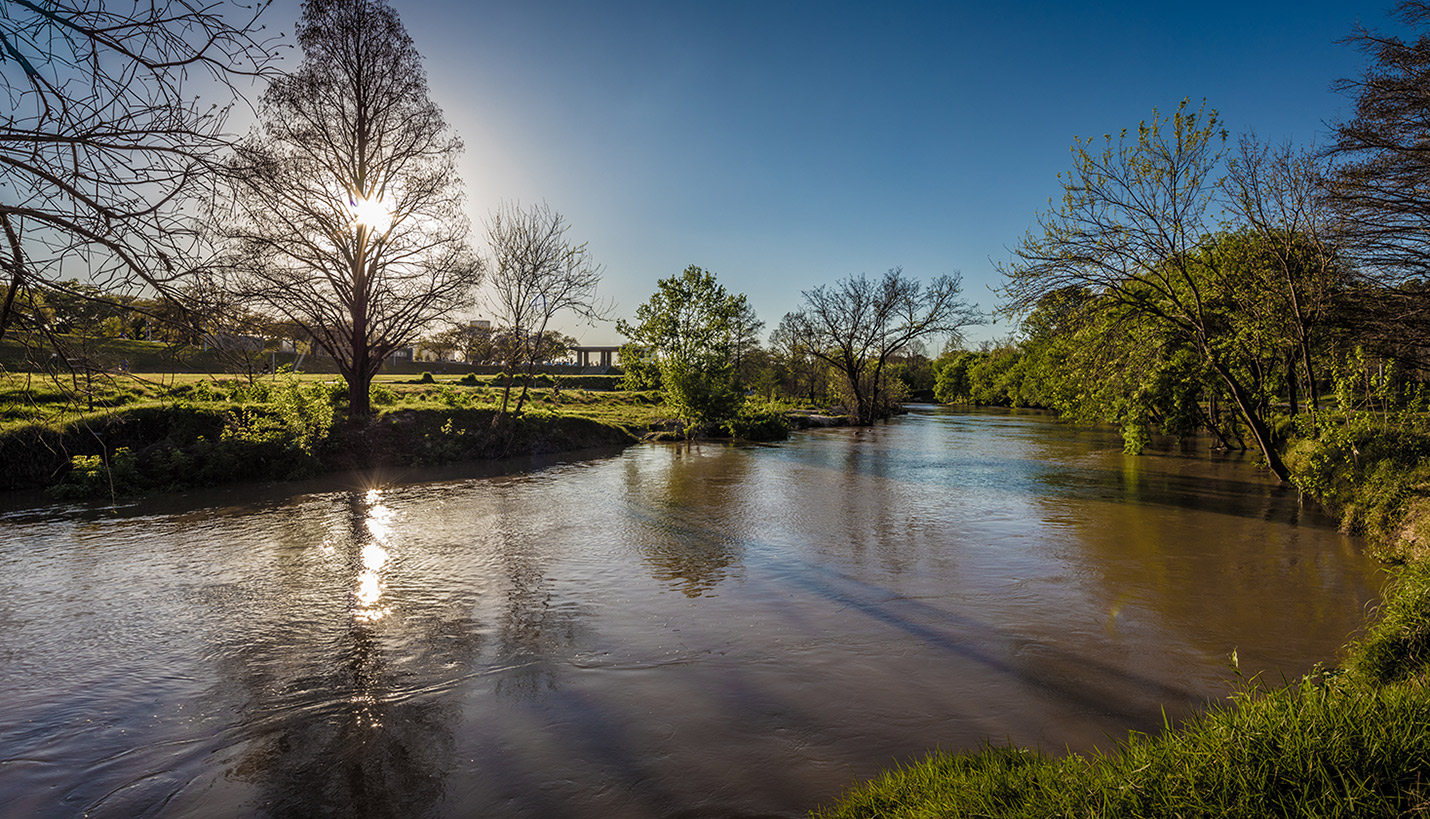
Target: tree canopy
(1135, 230)
(691, 327)
(345, 208)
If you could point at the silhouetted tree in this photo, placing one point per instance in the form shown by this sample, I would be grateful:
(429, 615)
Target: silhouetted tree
(346, 212)
(858, 326)
(1378, 182)
(1382, 166)
(104, 144)
(537, 272)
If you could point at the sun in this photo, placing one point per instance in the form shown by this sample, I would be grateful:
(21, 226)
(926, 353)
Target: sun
(374, 214)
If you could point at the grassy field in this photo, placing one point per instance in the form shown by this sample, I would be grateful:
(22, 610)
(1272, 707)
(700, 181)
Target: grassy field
(27, 398)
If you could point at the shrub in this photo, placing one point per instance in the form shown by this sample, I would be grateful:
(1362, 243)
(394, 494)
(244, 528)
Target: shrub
(759, 421)
(96, 476)
(381, 394)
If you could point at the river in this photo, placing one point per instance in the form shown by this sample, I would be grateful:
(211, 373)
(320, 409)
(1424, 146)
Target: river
(669, 631)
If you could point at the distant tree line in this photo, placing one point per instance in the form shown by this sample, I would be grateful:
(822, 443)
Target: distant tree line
(856, 347)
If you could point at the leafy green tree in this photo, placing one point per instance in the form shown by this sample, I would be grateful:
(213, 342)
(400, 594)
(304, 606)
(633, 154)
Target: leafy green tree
(640, 370)
(1135, 227)
(951, 381)
(691, 328)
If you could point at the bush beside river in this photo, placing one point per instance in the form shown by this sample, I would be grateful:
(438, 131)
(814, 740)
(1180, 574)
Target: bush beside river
(1349, 740)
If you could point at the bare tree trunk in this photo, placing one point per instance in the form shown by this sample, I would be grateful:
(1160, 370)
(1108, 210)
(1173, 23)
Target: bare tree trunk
(1291, 377)
(530, 366)
(1209, 421)
(1259, 430)
(17, 273)
(1312, 394)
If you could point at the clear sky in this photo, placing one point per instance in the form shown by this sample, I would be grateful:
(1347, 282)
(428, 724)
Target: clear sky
(786, 144)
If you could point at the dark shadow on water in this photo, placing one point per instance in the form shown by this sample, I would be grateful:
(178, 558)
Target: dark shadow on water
(1049, 473)
(958, 634)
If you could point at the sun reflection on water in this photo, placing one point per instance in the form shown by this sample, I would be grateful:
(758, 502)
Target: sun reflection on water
(375, 557)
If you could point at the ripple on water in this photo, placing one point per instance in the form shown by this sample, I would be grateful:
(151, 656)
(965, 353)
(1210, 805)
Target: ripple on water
(677, 630)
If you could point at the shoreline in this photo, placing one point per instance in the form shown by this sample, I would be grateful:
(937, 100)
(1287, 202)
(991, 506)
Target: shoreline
(130, 453)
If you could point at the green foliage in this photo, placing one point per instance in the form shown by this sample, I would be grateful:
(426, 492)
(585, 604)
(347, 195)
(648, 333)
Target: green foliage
(448, 443)
(306, 412)
(691, 328)
(641, 370)
(98, 476)
(426, 378)
(759, 421)
(1367, 470)
(703, 397)
(1135, 437)
(952, 382)
(381, 395)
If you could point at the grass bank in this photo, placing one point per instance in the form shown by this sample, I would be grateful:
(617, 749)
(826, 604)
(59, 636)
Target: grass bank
(1350, 740)
(135, 434)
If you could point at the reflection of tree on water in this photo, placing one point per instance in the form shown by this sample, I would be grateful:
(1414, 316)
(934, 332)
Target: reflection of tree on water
(534, 629)
(351, 689)
(678, 540)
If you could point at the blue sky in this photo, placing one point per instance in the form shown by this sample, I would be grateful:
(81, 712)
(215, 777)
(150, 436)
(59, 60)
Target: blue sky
(783, 145)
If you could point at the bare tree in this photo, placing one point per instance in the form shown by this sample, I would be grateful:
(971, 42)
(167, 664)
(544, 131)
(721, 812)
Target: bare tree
(1279, 194)
(1378, 182)
(858, 325)
(1383, 168)
(345, 209)
(105, 145)
(537, 273)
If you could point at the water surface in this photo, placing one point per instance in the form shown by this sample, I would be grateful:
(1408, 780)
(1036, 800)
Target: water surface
(673, 631)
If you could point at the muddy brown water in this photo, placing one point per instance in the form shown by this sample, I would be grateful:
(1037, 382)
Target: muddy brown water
(671, 631)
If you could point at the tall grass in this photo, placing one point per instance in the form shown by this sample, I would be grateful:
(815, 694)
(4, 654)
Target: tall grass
(1329, 746)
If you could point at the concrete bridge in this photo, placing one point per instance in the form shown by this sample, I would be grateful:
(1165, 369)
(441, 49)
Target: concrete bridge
(605, 355)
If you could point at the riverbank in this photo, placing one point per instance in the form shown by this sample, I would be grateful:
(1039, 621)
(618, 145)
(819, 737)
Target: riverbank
(139, 435)
(136, 434)
(1346, 740)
